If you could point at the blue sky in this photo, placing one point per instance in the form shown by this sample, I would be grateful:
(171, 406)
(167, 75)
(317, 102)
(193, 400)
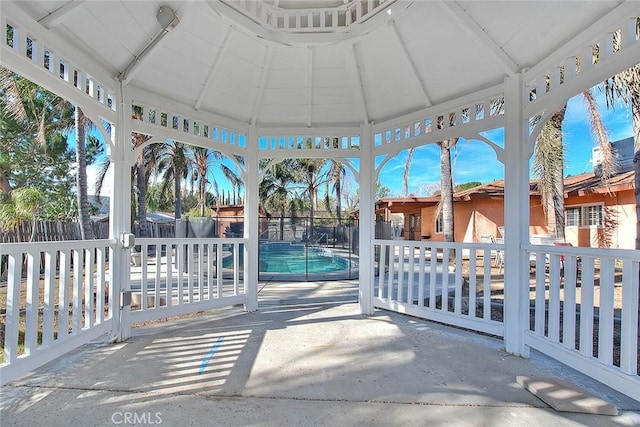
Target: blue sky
(476, 161)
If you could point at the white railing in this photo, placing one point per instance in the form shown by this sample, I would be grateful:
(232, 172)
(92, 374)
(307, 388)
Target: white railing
(472, 115)
(58, 297)
(157, 119)
(312, 19)
(614, 41)
(320, 144)
(176, 276)
(584, 311)
(421, 279)
(33, 45)
(583, 301)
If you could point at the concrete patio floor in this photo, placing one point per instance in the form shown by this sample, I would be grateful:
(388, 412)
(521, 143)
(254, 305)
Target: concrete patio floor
(305, 358)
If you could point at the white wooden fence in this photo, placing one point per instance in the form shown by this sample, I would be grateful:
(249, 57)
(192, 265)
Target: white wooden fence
(584, 306)
(583, 301)
(170, 277)
(61, 295)
(58, 298)
(421, 279)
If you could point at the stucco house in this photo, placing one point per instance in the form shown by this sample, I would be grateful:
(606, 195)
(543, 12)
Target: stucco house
(597, 215)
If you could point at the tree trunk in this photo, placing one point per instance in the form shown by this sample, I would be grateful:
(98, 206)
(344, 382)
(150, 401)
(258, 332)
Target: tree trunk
(141, 183)
(203, 195)
(282, 223)
(446, 191)
(178, 191)
(86, 231)
(405, 175)
(558, 194)
(549, 167)
(5, 185)
(339, 200)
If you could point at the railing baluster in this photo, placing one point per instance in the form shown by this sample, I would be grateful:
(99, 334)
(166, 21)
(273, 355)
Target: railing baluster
(554, 299)
(100, 284)
(486, 285)
(78, 264)
(629, 321)
(458, 283)
(219, 276)
(14, 266)
(236, 268)
(180, 256)
(63, 293)
(88, 288)
(382, 270)
(605, 318)
(586, 306)
(421, 277)
(472, 282)
(432, 277)
(401, 251)
(49, 298)
(144, 280)
(540, 302)
(392, 262)
(31, 312)
(410, 276)
(569, 306)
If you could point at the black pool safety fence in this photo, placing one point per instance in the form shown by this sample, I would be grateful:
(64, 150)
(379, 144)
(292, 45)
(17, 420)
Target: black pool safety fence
(306, 249)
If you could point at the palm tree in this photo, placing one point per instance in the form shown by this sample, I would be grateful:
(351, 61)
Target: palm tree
(405, 175)
(336, 174)
(446, 188)
(26, 203)
(175, 165)
(80, 125)
(201, 167)
(34, 155)
(548, 166)
(626, 86)
(203, 160)
(548, 163)
(277, 190)
(312, 179)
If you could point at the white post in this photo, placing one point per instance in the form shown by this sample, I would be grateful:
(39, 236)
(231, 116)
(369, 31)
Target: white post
(251, 231)
(366, 221)
(516, 218)
(120, 217)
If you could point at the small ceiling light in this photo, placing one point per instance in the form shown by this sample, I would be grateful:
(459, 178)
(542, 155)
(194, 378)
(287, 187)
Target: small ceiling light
(389, 11)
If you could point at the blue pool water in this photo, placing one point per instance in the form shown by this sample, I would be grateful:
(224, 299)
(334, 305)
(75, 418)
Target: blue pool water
(282, 257)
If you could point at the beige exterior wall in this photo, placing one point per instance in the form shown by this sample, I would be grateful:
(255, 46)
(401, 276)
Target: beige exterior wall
(620, 225)
(478, 217)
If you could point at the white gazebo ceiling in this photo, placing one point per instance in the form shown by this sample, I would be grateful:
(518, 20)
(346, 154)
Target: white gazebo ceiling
(240, 60)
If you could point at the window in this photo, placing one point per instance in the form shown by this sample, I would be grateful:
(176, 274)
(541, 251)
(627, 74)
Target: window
(593, 216)
(572, 217)
(439, 224)
(585, 216)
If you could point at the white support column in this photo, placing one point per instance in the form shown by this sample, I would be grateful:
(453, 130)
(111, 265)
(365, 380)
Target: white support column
(120, 217)
(516, 218)
(366, 221)
(251, 231)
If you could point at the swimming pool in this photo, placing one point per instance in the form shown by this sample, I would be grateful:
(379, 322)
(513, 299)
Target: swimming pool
(285, 260)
